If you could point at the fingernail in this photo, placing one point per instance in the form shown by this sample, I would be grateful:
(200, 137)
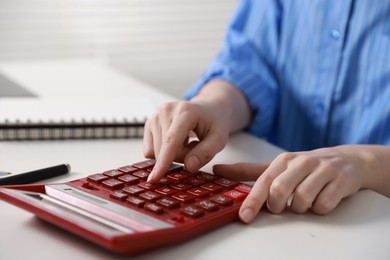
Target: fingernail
(192, 163)
(247, 215)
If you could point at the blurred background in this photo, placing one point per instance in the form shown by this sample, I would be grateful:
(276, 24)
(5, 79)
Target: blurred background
(165, 43)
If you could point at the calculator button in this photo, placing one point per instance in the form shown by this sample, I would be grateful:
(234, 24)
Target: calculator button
(192, 211)
(113, 173)
(154, 208)
(212, 187)
(87, 185)
(113, 184)
(142, 174)
(166, 191)
(181, 186)
(128, 169)
(136, 201)
(177, 176)
(235, 195)
(149, 185)
(119, 195)
(245, 188)
(97, 178)
(226, 183)
(222, 200)
(194, 182)
(164, 181)
(144, 164)
(184, 197)
(191, 174)
(150, 196)
(207, 205)
(207, 177)
(198, 192)
(168, 203)
(133, 190)
(129, 179)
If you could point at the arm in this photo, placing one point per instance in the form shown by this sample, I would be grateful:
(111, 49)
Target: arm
(377, 169)
(219, 109)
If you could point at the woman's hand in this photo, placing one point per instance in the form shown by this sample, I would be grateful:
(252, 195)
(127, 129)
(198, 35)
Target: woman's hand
(184, 131)
(194, 131)
(315, 180)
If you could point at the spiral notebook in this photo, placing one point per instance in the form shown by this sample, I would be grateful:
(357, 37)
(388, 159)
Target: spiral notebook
(53, 118)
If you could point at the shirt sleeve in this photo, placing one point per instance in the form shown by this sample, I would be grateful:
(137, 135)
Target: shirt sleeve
(248, 59)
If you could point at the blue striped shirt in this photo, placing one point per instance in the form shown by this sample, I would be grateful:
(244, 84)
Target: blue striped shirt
(315, 72)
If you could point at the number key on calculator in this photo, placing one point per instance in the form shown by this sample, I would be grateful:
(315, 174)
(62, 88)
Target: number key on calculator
(120, 211)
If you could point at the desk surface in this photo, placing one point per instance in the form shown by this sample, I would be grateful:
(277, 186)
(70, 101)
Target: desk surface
(357, 229)
(74, 78)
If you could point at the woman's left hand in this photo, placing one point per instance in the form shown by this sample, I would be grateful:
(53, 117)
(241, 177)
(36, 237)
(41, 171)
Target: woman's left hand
(316, 180)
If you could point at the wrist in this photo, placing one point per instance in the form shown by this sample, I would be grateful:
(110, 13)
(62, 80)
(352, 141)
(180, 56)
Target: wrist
(376, 168)
(227, 102)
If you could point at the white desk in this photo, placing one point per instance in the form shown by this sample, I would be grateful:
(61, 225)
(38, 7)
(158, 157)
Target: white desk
(76, 78)
(358, 229)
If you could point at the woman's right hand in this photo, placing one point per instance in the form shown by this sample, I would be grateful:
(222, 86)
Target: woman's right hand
(193, 131)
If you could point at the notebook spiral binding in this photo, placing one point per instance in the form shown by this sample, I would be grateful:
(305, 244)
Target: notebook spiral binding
(19, 131)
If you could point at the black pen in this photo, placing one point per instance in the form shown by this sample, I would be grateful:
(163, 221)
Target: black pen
(33, 176)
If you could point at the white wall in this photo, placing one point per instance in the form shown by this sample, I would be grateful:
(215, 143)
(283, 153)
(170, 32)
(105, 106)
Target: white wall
(167, 43)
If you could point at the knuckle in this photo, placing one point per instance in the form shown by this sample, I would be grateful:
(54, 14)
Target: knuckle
(267, 179)
(306, 160)
(285, 156)
(323, 206)
(275, 209)
(302, 199)
(300, 209)
(327, 168)
(166, 108)
(152, 120)
(183, 106)
(278, 189)
(148, 153)
(169, 139)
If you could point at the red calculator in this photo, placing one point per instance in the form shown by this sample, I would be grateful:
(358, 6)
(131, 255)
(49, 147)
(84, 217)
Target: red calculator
(120, 211)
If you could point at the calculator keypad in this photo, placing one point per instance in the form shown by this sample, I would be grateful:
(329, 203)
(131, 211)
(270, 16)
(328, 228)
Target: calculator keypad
(179, 196)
